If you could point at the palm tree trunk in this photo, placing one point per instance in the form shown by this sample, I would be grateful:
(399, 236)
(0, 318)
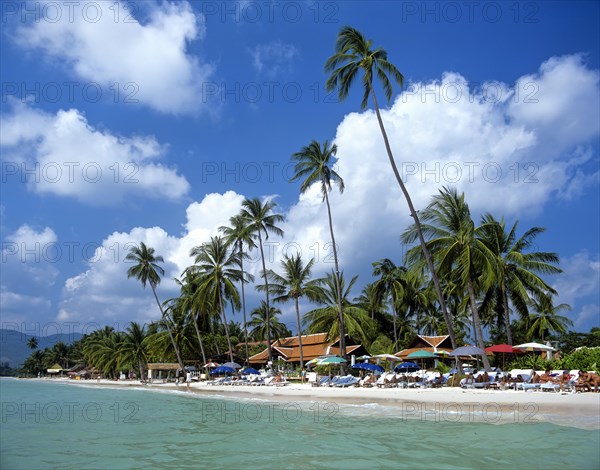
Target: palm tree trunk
(477, 325)
(141, 367)
(268, 312)
(337, 281)
(299, 334)
(165, 316)
(244, 302)
(415, 217)
(506, 316)
(195, 319)
(222, 308)
(395, 327)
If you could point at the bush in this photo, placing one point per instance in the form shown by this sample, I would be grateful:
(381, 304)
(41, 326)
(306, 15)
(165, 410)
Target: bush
(454, 381)
(584, 359)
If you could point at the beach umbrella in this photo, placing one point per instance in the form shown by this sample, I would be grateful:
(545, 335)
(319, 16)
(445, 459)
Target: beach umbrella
(467, 351)
(313, 362)
(421, 354)
(233, 365)
(208, 365)
(250, 370)
(407, 367)
(367, 366)
(331, 360)
(503, 349)
(365, 358)
(223, 370)
(500, 348)
(388, 357)
(534, 347)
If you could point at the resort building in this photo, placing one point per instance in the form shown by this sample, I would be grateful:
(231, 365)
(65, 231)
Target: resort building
(313, 346)
(434, 344)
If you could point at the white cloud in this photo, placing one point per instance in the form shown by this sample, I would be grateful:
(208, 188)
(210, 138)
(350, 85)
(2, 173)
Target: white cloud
(273, 58)
(110, 44)
(580, 277)
(18, 308)
(104, 294)
(66, 156)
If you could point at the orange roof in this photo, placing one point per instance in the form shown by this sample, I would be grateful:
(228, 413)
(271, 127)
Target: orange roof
(313, 346)
(422, 342)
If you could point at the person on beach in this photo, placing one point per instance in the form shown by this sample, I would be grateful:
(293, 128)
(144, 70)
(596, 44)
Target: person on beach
(188, 379)
(546, 377)
(563, 380)
(303, 374)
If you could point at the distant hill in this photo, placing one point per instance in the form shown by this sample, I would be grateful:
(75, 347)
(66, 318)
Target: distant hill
(14, 349)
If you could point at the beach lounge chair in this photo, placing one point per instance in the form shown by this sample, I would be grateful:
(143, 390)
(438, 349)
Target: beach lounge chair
(347, 381)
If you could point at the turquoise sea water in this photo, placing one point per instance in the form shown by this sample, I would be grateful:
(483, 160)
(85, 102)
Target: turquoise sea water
(53, 425)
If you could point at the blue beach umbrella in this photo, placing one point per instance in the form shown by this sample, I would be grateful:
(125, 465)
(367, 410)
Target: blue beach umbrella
(250, 370)
(367, 366)
(407, 367)
(223, 370)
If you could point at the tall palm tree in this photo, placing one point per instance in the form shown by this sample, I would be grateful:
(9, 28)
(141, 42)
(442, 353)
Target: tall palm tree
(391, 284)
(358, 323)
(260, 323)
(190, 305)
(353, 54)
(456, 245)
(261, 220)
(133, 349)
(547, 320)
(314, 164)
(240, 235)
(291, 285)
(518, 270)
(217, 266)
(148, 271)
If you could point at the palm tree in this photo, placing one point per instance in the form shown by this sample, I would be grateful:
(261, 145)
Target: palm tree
(392, 284)
(456, 244)
(188, 303)
(240, 234)
(260, 327)
(32, 343)
(547, 319)
(216, 265)
(353, 54)
(147, 271)
(357, 320)
(261, 220)
(518, 271)
(315, 165)
(293, 284)
(133, 349)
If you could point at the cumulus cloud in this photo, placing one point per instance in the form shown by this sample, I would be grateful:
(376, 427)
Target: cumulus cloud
(62, 154)
(145, 49)
(103, 294)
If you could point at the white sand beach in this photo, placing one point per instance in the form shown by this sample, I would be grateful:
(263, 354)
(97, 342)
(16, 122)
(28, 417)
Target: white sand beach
(451, 404)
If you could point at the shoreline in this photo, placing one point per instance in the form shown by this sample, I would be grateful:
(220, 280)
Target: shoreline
(580, 410)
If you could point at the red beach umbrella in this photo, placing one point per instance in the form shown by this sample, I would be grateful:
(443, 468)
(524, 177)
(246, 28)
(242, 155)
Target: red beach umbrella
(500, 349)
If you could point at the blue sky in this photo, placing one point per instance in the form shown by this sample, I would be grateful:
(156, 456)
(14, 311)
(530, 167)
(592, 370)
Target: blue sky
(152, 121)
